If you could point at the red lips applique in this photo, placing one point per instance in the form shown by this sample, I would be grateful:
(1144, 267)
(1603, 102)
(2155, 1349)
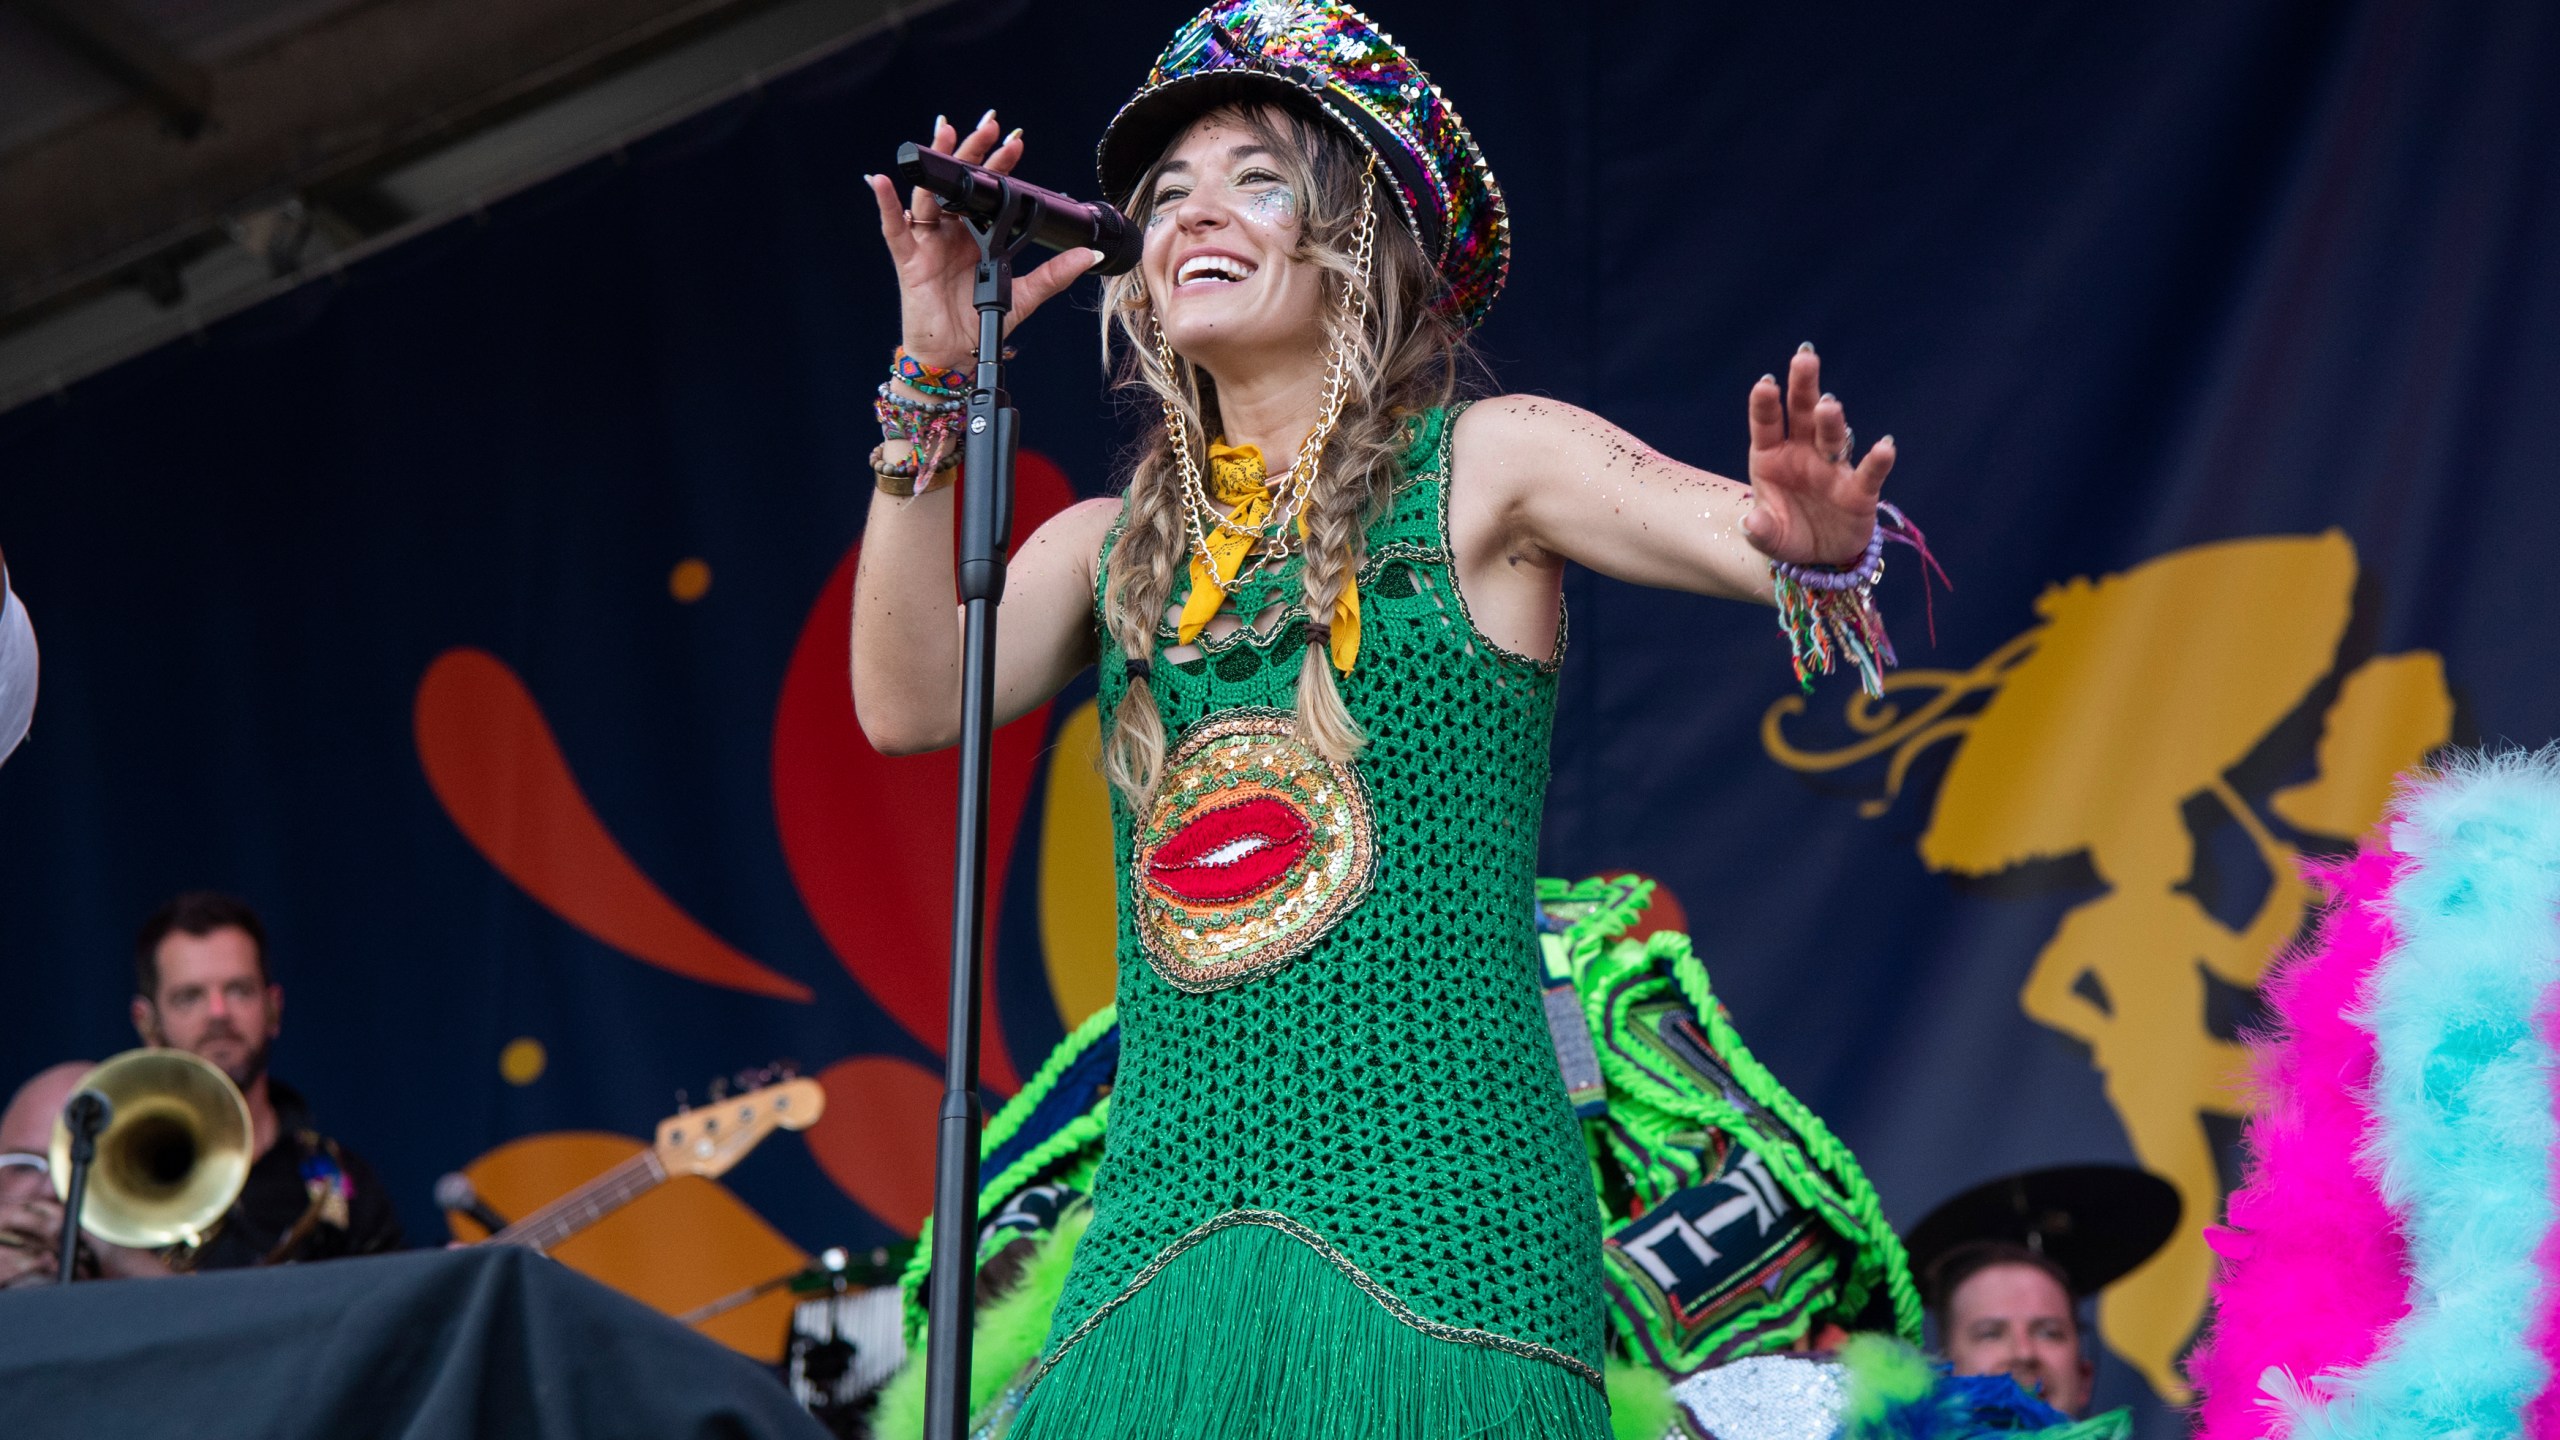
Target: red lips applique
(1232, 852)
(1254, 847)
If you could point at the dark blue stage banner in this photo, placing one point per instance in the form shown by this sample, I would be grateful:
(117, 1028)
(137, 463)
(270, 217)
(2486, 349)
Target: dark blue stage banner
(480, 611)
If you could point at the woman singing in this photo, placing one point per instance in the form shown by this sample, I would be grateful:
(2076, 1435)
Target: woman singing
(1344, 1194)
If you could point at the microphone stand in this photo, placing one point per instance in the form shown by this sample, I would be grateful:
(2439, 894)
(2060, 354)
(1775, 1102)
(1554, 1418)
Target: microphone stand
(986, 525)
(84, 1117)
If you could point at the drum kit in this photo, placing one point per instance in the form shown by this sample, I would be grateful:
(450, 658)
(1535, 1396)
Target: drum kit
(848, 1334)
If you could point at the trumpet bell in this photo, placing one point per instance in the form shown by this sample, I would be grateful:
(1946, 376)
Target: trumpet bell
(173, 1157)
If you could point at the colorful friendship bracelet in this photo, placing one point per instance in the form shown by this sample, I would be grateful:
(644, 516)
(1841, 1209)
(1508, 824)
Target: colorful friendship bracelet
(943, 382)
(1827, 613)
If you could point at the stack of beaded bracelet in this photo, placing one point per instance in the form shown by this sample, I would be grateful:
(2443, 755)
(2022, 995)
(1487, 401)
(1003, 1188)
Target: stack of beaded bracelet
(1828, 613)
(930, 428)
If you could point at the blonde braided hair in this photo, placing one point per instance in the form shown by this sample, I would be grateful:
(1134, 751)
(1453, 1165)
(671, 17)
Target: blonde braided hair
(1403, 358)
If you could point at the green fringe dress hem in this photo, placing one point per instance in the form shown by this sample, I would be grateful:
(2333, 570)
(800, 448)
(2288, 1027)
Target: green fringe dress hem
(1247, 1328)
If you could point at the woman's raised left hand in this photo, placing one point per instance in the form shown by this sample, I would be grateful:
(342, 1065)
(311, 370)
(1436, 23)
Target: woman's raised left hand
(1810, 505)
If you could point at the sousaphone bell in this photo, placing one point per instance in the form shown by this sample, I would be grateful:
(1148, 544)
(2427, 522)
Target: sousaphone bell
(173, 1157)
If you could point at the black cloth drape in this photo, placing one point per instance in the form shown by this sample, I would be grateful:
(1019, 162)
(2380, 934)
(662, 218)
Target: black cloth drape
(484, 1344)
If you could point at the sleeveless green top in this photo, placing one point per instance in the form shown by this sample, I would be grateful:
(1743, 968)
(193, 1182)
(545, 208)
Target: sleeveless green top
(1328, 991)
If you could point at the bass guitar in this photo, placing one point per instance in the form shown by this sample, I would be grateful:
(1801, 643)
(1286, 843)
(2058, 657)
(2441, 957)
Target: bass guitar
(649, 1218)
(704, 1141)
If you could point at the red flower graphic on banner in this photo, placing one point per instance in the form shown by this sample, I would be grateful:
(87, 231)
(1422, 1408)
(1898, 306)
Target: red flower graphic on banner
(868, 839)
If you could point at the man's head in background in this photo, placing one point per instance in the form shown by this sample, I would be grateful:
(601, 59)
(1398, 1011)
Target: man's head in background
(200, 984)
(2004, 1309)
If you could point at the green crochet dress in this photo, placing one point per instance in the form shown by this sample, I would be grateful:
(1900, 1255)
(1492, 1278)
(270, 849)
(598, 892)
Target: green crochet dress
(1345, 1195)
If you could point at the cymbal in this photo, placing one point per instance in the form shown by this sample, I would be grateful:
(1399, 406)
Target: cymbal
(2097, 1222)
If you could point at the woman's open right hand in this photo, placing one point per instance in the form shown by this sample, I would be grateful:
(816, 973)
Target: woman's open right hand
(937, 257)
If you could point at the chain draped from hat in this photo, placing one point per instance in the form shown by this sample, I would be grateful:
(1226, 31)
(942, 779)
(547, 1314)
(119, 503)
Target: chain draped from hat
(1239, 522)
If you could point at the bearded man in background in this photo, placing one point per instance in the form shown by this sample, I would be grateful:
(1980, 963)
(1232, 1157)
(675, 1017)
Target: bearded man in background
(201, 985)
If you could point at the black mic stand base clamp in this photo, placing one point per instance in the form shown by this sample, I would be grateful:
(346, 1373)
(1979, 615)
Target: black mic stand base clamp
(986, 523)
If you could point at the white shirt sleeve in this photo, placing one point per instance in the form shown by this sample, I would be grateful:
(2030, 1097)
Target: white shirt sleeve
(17, 671)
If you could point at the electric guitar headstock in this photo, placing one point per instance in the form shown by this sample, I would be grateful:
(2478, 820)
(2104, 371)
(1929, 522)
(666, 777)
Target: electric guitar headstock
(707, 1139)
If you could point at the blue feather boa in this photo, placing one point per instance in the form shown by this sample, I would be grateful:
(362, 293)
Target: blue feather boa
(2462, 1095)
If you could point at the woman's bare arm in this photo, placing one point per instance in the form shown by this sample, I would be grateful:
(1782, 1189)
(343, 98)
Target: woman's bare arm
(1549, 482)
(906, 628)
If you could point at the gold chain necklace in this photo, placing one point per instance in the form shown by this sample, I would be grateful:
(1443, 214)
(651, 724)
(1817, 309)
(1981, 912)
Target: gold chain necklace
(1199, 513)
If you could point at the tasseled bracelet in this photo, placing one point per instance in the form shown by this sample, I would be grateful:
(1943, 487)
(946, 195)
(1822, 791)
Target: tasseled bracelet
(1828, 613)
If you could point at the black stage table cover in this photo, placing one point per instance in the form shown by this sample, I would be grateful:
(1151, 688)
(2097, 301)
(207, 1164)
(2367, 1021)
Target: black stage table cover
(481, 1344)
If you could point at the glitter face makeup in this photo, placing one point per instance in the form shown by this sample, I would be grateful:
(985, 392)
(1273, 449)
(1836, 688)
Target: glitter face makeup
(1276, 207)
(1227, 267)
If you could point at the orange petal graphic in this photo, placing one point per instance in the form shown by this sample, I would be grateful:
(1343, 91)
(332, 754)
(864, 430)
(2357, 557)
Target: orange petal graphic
(493, 762)
(876, 1138)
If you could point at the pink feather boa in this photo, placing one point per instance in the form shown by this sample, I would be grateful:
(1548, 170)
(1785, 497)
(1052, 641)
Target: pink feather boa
(2542, 1415)
(2313, 1267)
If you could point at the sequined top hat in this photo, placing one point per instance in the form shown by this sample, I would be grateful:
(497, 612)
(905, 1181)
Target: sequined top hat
(1334, 55)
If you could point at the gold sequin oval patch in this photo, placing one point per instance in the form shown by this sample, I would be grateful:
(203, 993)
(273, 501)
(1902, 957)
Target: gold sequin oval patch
(1255, 846)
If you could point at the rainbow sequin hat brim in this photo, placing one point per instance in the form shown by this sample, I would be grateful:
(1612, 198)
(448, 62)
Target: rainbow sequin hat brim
(1333, 55)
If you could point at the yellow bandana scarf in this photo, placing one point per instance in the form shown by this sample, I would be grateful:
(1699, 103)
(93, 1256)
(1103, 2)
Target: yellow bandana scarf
(1237, 483)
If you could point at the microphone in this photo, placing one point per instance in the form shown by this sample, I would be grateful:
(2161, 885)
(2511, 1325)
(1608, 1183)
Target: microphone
(87, 1114)
(456, 1192)
(1054, 220)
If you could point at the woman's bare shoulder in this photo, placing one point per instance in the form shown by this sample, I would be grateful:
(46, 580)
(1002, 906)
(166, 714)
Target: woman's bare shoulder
(1088, 517)
(1083, 523)
(1507, 443)
(1072, 538)
(1514, 428)
(1519, 417)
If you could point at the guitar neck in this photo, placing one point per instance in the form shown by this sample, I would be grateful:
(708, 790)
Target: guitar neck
(584, 1206)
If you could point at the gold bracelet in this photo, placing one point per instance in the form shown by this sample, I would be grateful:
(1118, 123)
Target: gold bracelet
(908, 479)
(905, 487)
